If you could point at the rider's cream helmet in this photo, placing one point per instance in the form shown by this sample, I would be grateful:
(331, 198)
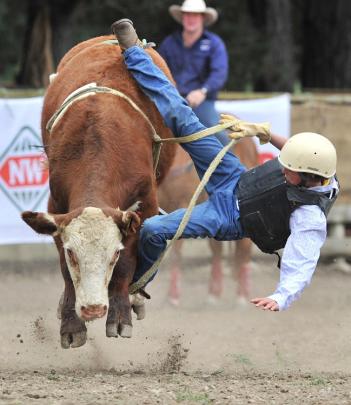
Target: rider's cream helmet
(310, 153)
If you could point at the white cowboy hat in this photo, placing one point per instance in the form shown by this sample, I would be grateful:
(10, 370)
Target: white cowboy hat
(194, 6)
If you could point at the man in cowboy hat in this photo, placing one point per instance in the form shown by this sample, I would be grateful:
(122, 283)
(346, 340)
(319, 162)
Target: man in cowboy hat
(197, 59)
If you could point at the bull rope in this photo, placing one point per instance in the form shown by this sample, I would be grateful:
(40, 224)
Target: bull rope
(92, 89)
(234, 125)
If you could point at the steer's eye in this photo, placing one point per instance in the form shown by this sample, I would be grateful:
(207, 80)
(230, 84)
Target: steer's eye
(115, 257)
(72, 257)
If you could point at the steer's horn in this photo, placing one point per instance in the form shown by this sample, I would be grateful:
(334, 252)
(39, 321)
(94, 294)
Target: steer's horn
(135, 207)
(127, 221)
(131, 221)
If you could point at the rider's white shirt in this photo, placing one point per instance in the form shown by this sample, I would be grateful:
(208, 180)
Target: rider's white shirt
(308, 228)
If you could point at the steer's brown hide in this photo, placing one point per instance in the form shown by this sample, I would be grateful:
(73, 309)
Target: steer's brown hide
(99, 156)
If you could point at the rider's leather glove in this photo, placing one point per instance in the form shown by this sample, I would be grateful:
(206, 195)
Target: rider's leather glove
(242, 129)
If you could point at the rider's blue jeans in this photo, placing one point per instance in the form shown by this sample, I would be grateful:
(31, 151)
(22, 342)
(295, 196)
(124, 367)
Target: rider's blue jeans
(208, 116)
(218, 217)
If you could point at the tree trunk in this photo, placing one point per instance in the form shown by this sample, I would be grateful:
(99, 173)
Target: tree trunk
(279, 61)
(48, 27)
(61, 17)
(273, 18)
(37, 61)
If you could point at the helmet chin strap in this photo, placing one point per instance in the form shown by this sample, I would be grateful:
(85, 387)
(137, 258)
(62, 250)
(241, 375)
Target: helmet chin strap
(306, 180)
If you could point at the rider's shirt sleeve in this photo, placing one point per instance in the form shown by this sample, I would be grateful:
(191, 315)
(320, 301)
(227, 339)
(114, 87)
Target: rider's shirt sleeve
(308, 227)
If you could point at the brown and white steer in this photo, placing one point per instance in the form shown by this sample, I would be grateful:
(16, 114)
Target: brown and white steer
(175, 192)
(100, 163)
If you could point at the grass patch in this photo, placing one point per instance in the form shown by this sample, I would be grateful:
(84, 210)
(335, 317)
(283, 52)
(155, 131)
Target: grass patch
(281, 360)
(242, 359)
(319, 381)
(189, 396)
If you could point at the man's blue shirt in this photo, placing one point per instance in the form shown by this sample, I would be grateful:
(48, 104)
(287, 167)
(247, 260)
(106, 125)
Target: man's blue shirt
(205, 64)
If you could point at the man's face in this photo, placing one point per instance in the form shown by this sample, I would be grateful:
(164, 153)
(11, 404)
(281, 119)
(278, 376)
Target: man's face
(292, 177)
(192, 22)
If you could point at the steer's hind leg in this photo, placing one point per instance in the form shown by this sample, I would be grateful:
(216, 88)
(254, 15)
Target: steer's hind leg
(119, 318)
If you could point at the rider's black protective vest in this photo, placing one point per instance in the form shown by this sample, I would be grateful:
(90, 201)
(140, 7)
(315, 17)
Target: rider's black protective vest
(266, 202)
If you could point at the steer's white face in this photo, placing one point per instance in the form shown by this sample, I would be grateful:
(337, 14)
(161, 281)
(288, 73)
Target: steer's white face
(92, 243)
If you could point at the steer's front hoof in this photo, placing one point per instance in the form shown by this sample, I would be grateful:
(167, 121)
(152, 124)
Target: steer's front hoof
(73, 340)
(119, 318)
(73, 330)
(125, 331)
(111, 330)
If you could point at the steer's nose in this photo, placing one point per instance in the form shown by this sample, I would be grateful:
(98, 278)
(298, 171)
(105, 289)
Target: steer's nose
(93, 311)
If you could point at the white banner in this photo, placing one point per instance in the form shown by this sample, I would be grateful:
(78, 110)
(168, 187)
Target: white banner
(24, 181)
(275, 110)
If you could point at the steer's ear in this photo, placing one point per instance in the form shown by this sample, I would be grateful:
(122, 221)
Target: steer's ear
(127, 221)
(40, 222)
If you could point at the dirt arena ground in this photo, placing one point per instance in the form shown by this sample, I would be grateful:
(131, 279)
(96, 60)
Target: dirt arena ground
(195, 354)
